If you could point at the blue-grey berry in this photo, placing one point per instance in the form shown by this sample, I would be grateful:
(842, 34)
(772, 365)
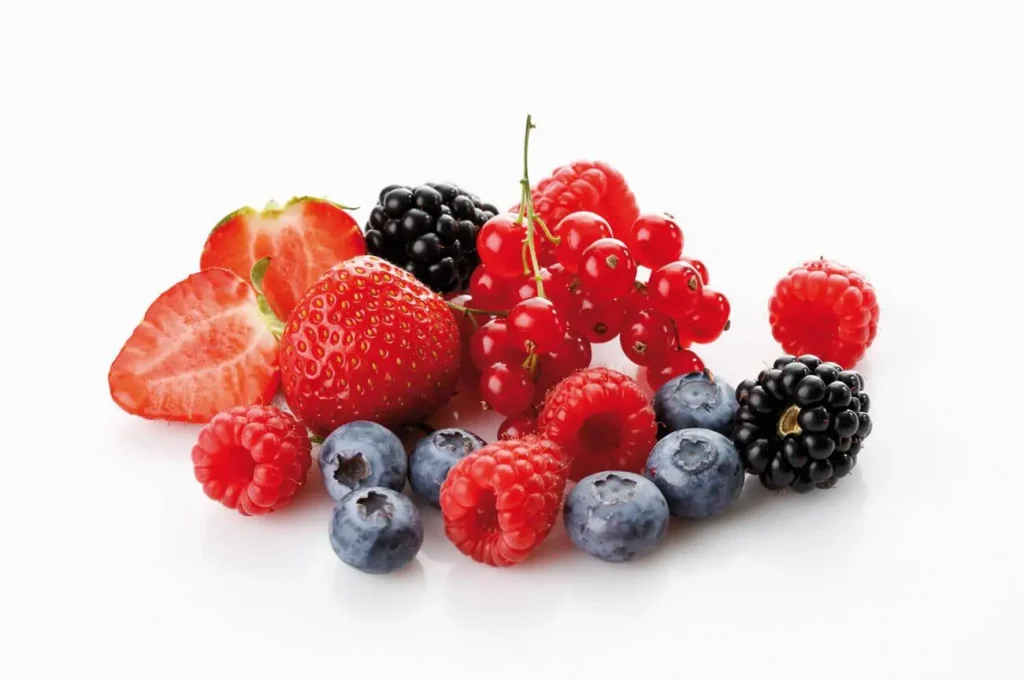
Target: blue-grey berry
(695, 400)
(362, 454)
(434, 456)
(615, 516)
(376, 530)
(698, 471)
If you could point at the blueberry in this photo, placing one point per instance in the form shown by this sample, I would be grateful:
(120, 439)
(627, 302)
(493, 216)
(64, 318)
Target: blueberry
(615, 516)
(376, 530)
(362, 454)
(695, 400)
(434, 456)
(699, 472)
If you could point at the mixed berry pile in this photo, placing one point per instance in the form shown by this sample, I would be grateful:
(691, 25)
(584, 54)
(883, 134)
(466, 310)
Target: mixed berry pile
(365, 332)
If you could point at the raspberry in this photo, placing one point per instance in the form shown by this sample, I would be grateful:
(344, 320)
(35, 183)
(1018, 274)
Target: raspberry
(825, 309)
(500, 502)
(586, 185)
(602, 421)
(252, 458)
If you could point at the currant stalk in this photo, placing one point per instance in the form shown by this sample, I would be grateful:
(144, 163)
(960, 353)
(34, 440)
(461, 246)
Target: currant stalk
(526, 210)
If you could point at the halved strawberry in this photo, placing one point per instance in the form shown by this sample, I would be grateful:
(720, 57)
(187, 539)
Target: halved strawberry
(204, 346)
(304, 239)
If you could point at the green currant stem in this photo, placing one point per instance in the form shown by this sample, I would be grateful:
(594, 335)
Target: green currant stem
(527, 203)
(530, 363)
(470, 311)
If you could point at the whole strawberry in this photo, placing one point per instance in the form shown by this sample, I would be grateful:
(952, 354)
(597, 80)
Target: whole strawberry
(368, 342)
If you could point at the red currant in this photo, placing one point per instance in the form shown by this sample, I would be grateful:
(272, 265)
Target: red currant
(679, 362)
(607, 269)
(637, 299)
(577, 231)
(492, 343)
(573, 355)
(507, 388)
(656, 240)
(517, 427)
(561, 281)
(489, 291)
(699, 266)
(596, 321)
(646, 337)
(500, 245)
(710, 319)
(675, 289)
(536, 326)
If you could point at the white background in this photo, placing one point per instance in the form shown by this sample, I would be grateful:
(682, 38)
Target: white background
(887, 135)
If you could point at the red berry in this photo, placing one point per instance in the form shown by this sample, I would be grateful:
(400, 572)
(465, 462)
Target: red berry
(677, 362)
(506, 387)
(492, 343)
(637, 299)
(573, 355)
(519, 426)
(556, 290)
(699, 266)
(825, 309)
(675, 289)
(607, 269)
(252, 459)
(468, 322)
(596, 321)
(490, 291)
(500, 502)
(655, 240)
(710, 319)
(577, 231)
(586, 185)
(500, 246)
(602, 420)
(536, 326)
(368, 342)
(646, 337)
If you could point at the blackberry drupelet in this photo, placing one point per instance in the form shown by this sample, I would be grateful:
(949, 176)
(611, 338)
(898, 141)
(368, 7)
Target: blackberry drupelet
(802, 423)
(430, 231)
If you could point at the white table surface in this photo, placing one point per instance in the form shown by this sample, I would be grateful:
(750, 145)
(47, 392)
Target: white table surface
(886, 135)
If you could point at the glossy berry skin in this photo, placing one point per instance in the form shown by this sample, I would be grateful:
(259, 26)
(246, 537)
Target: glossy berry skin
(535, 325)
(368, 342)
(646, 337)
(636, 300)
(655, 240)
(492, 343)
(252, 459)
(707, 323)
(376, 530)
(607, 270)
(500, 245)
(491, 292)
(507, 388)
(555, 289)
(500, 502)
(361, 454)
(434, 456)
(574, 354)
(699, 472)
(696, 400)
(577, 231)
(430, 230)
(700, 267)
(675, 290)
(825, 309)
(677, 362)
(592, 186)
(802, 423)
(603, 421)
(615, 516)
(596, 321)
(517, 427)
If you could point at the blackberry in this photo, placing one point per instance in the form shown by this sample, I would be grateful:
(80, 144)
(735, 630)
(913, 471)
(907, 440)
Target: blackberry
(802, 423)
(430, 231)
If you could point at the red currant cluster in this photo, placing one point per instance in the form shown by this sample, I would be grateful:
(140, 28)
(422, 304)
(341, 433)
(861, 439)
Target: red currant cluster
(567, 288)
